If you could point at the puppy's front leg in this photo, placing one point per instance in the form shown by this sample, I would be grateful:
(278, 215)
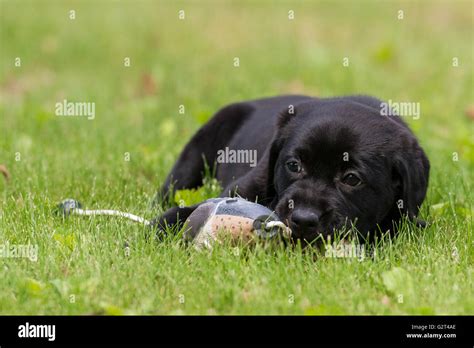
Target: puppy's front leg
(174, 217)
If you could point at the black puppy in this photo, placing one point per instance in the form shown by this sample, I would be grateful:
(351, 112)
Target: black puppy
(322, 164)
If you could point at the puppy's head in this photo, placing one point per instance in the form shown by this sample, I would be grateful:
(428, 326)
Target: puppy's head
(340, 163)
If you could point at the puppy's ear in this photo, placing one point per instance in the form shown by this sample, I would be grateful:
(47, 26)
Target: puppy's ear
(410, 175)
(284, 117)
(271, 190)
(260, 182)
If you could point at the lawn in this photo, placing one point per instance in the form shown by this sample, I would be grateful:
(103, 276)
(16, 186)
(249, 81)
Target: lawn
(119, 158)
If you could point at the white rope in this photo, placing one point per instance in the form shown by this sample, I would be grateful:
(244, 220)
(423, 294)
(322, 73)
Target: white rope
(133, 217)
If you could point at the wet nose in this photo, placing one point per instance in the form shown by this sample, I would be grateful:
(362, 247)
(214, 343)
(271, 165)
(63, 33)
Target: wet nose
(304, 219)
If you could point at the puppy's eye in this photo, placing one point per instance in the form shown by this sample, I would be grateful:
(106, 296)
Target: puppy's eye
(351, 179)
(293, 166)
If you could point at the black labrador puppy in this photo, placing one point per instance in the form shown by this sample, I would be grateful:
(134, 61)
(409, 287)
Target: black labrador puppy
(321, 164)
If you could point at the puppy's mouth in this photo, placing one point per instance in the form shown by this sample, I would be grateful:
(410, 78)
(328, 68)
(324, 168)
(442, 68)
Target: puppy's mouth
(326, 229)
(307, 223)
(309, 235)
(306, 236)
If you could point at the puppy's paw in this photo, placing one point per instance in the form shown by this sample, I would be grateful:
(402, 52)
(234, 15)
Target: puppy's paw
(173, 219)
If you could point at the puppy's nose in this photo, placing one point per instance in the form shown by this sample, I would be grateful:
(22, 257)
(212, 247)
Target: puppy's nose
(303, 219)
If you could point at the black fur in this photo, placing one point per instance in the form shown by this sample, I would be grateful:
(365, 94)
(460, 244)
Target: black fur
(327, 138)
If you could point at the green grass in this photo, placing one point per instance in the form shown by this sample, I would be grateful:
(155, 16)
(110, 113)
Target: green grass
(190, 62)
